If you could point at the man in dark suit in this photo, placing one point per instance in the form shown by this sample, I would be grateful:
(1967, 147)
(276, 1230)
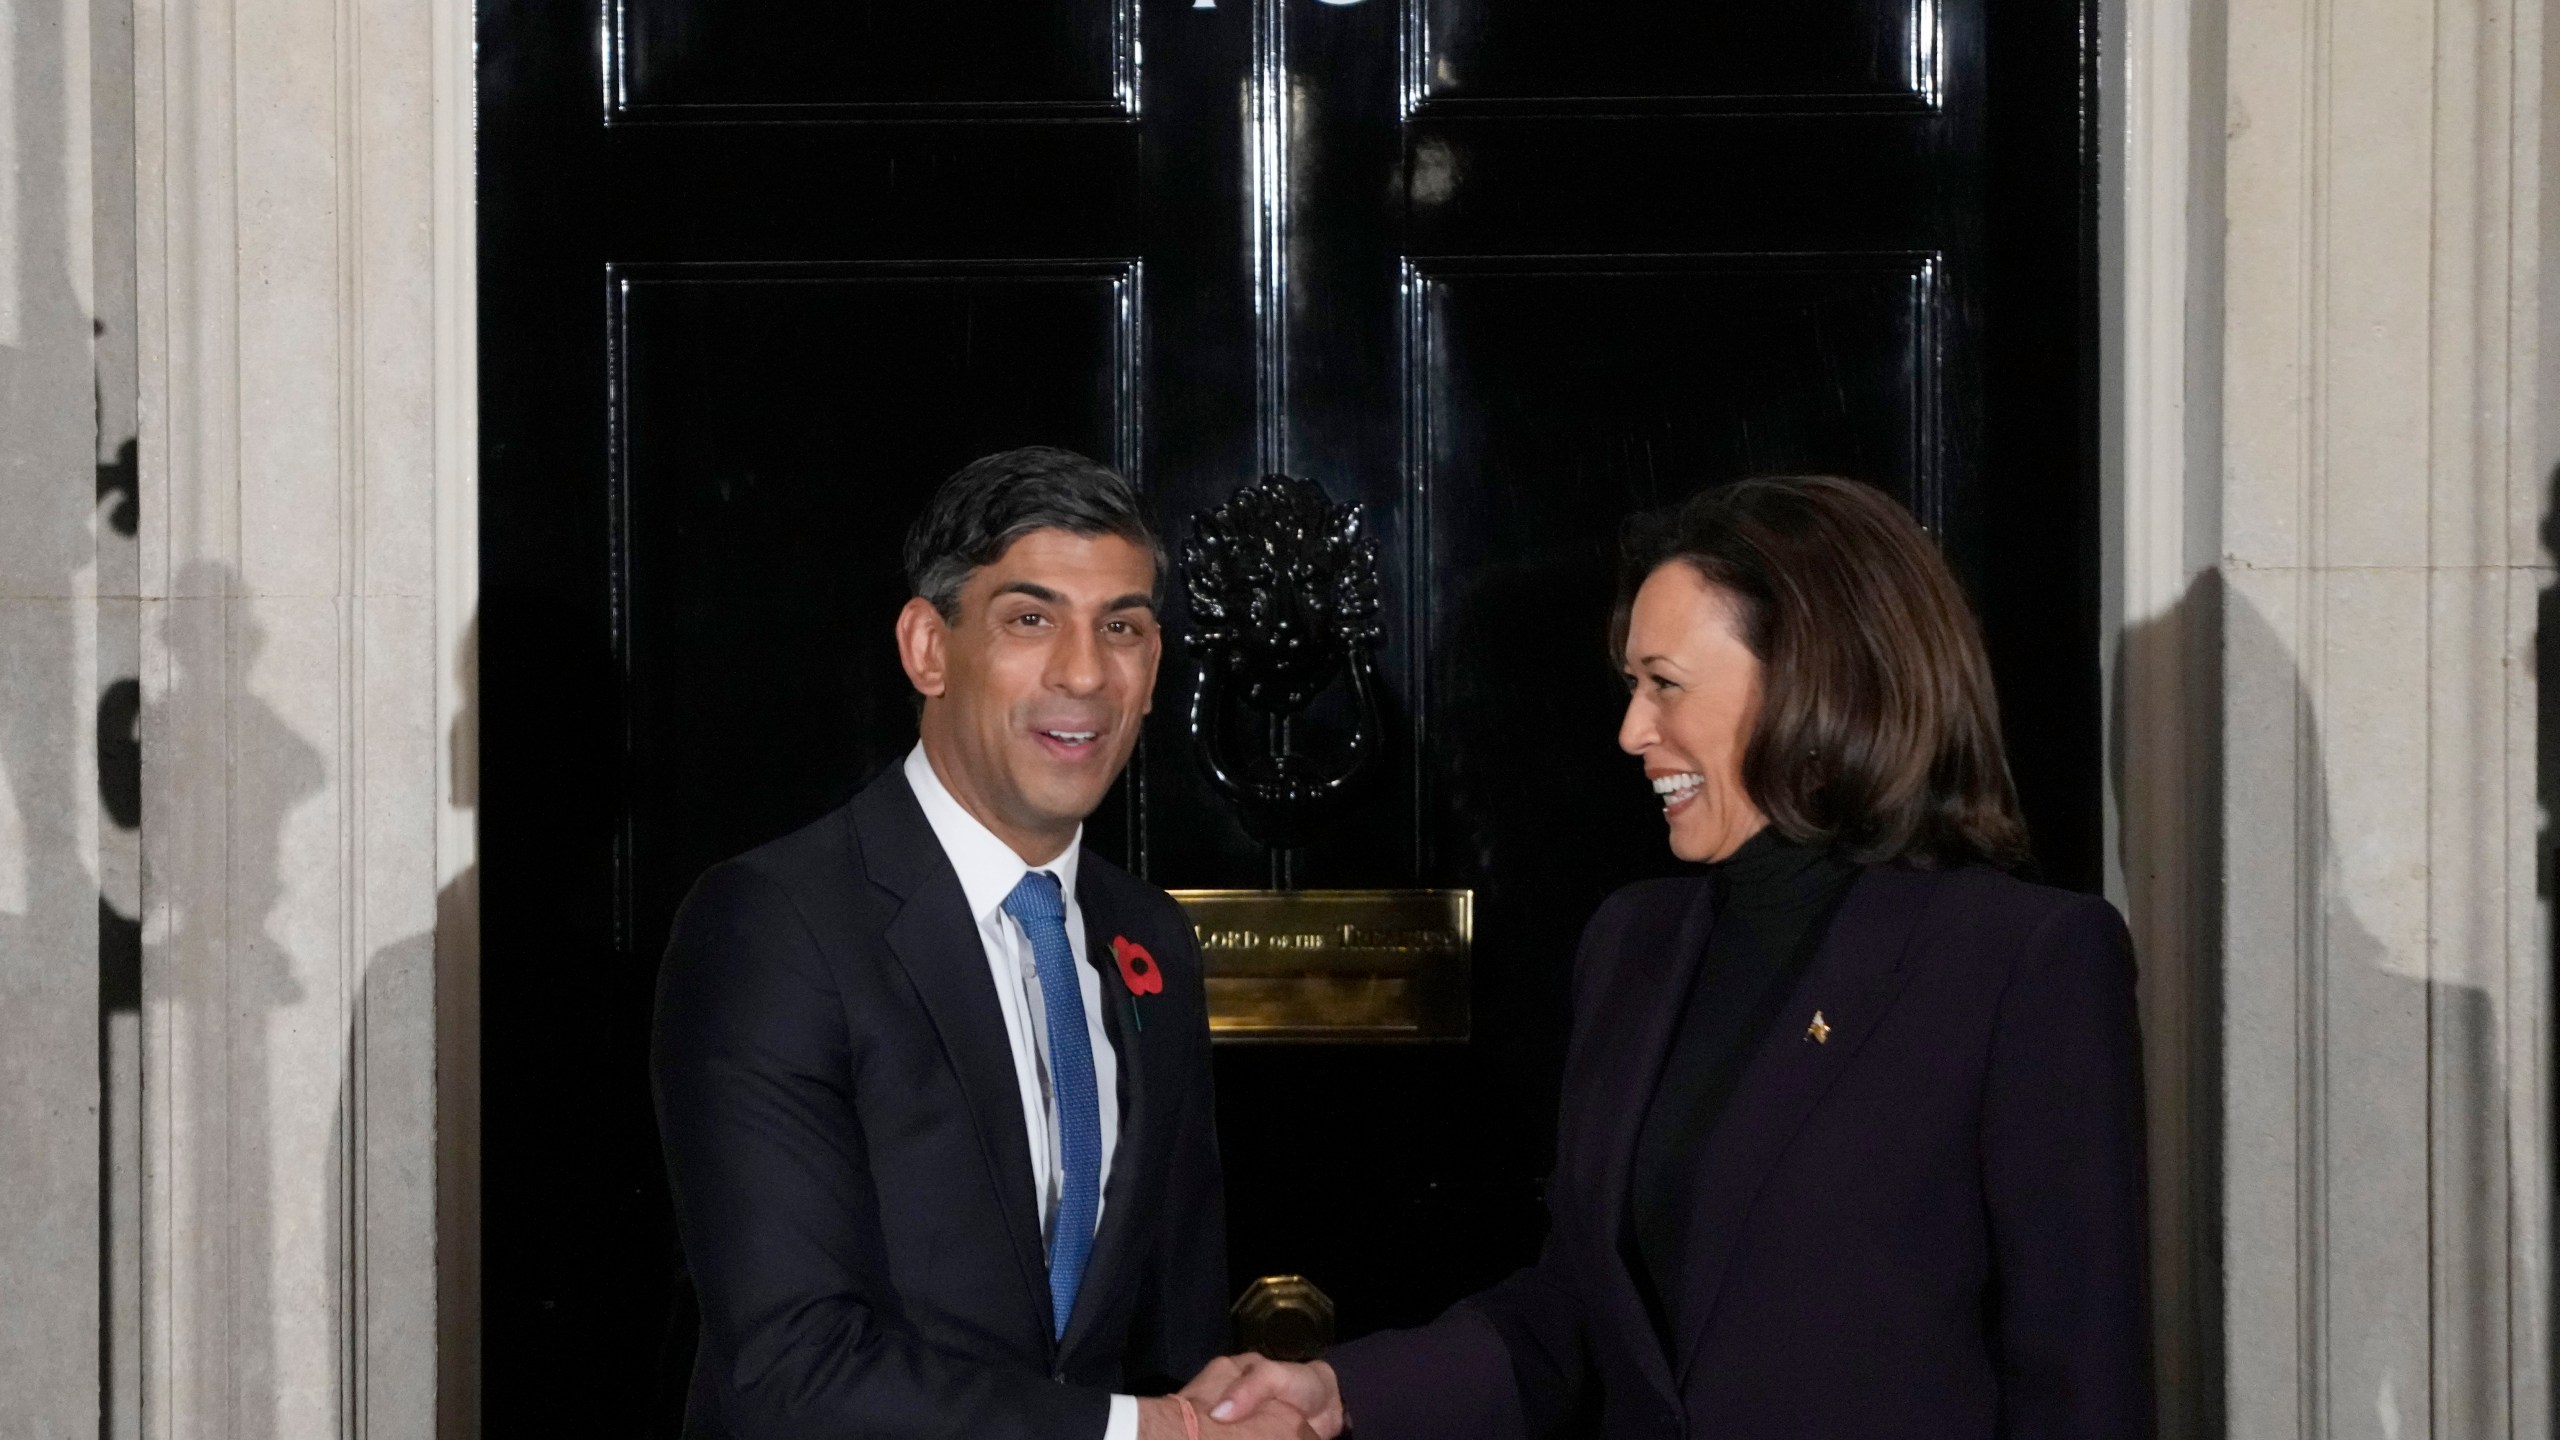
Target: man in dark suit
(933, 1080)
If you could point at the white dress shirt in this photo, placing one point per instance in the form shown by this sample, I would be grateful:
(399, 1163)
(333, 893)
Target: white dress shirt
(989, 869)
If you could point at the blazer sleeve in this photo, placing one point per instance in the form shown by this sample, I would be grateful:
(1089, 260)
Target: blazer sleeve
(1506, 1363)
(1181, 1322)
(1509, 1362)
(774, 1200)
(2062, 1148)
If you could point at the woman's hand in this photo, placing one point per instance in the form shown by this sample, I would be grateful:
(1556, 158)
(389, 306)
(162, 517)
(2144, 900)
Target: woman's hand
(1161, 1419)
(1232, 1387)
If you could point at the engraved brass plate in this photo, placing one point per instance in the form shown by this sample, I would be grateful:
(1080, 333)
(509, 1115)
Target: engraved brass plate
(1334, 965)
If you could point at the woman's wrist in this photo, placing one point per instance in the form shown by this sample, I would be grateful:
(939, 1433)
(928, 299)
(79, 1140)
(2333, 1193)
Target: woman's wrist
(1341, 1410)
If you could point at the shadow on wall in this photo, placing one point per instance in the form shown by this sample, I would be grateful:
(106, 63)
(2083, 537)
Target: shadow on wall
(54, 1321)
(2412, 1098)
(2184, 1068)
(385, 1097)
(221, 954)
(2546, 870)
(457, 1021)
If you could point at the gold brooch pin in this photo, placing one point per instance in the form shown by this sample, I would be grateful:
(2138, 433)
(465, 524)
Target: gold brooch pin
(1819, 1032)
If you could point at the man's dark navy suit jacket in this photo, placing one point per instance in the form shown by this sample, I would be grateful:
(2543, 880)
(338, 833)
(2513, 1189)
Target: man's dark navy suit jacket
(1922, 1219)
(852, 1179)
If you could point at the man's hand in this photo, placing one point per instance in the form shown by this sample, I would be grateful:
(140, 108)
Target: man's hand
(1236, 1387)
(1162, 1420)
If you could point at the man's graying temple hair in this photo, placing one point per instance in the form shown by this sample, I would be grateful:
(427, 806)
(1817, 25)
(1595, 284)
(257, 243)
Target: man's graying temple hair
(998, 499)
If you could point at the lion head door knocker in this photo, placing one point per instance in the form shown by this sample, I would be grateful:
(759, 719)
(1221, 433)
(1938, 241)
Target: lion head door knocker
(1284, 601)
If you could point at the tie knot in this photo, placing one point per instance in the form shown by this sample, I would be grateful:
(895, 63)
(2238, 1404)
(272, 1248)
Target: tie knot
(1036, 898)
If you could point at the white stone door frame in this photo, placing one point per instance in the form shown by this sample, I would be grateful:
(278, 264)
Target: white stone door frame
(2324, 567)
(308, 582)
(2158, 645)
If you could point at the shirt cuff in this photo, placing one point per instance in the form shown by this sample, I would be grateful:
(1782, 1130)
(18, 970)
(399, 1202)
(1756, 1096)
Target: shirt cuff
(1123, 1424)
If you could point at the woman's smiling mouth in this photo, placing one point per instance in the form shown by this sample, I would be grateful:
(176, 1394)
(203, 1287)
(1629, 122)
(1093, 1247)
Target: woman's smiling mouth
(1678, 789)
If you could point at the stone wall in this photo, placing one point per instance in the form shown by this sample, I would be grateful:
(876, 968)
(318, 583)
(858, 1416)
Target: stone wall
(236, 923)
(2333, 570)
(57, 551)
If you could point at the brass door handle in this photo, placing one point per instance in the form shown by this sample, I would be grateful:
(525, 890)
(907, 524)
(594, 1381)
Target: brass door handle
(1284, 1317)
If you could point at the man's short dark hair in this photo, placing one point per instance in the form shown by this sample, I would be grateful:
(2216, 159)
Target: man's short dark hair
(993, 501)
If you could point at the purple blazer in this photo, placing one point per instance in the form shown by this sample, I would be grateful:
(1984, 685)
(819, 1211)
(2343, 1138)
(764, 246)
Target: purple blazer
(1921, 1216)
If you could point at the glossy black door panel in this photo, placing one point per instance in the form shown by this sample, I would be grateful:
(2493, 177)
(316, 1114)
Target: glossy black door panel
(925, 191)
(685, 59)
(776, 431)
(1618, 54)
(756, 274)
(1557, 392)
(1558, 185)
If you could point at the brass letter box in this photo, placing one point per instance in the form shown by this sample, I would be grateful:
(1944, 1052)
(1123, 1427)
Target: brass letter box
(1334, 965)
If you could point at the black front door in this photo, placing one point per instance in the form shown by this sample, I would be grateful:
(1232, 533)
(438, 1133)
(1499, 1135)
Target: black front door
(756, 276)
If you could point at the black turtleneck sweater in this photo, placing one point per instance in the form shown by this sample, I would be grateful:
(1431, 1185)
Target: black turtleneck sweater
(1774, 899)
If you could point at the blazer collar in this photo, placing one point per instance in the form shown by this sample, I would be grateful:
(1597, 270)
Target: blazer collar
(1854, 979)
(1653, 969)
(936, 940)
(1129, 1215)
(988, 868)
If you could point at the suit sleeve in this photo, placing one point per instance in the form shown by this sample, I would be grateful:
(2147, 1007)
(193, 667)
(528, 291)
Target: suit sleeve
(1181, 1322)
(775, 1205)
(2062, 1148)
(1506, 1363)
(1503, 1364)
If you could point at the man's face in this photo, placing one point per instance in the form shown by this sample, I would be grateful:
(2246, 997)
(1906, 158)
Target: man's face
(1033, 695)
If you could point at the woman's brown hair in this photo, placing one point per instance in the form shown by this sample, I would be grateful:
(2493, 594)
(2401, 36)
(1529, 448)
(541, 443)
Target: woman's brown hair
(1878, 729)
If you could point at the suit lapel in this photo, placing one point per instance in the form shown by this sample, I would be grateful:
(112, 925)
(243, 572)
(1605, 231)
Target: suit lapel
(1128, 1211)
(1643, 1004)
(936, 940)
(1853, 981)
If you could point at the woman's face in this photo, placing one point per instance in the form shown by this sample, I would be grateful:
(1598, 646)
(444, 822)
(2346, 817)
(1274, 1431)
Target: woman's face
(1693, 694)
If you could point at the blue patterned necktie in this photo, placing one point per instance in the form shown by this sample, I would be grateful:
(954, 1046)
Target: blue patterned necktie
(1041, 911)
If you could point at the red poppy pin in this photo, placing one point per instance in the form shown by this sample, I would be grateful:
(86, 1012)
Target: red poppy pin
(1138, 969)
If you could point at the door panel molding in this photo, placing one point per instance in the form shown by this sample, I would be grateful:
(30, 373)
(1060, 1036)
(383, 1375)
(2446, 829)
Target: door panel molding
(1922, 269)
(1108, 90)
(732, 552)
(1912, 80)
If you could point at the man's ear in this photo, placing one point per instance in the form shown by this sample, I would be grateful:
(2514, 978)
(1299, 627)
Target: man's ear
(923, 646)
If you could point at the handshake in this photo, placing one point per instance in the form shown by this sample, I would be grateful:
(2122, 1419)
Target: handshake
(1248, 1397)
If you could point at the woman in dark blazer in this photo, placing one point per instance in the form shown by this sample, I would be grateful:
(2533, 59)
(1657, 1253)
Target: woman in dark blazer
(1851, 1141)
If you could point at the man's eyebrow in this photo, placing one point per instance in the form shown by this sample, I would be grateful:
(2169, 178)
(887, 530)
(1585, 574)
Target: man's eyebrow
(1134, 600)
(1039, 592)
